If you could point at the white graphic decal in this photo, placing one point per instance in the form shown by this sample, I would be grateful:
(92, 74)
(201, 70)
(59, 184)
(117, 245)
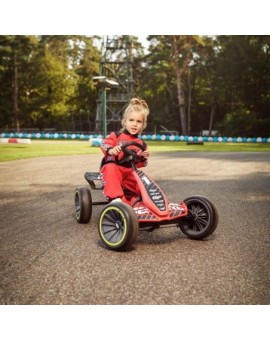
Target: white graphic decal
(146, 180)
(141, 210)
(175, 206)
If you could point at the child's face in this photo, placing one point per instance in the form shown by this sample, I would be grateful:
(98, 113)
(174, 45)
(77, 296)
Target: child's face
(134, 123)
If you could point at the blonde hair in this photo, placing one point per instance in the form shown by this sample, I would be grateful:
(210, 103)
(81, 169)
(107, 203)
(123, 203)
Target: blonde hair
(136, 105)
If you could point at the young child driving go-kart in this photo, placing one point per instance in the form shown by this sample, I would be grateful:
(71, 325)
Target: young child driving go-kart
(133, 200)
(116, 174)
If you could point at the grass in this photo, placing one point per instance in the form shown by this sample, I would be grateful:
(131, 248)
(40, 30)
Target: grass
(9, 152)
(207, 146)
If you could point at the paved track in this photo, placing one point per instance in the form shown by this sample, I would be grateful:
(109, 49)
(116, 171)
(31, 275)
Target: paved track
(47, 258)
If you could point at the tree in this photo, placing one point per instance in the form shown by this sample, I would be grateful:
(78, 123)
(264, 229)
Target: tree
(15, 57)
(176, 52)
(51, 79)
(172, 56)
(155, 82)
(242, 71)
(191, 83)
(85, 63)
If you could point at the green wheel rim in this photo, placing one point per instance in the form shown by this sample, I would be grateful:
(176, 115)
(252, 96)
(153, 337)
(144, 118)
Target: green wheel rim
(113, 226)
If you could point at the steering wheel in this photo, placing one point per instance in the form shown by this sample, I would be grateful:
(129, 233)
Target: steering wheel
(129, 154)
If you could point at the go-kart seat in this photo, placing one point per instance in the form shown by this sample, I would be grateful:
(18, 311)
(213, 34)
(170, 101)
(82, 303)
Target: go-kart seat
(94, 178)
(102, 163)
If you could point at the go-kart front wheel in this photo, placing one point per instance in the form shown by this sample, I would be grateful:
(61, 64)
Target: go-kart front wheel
(83, 205)
(202, 218)
(118, 226)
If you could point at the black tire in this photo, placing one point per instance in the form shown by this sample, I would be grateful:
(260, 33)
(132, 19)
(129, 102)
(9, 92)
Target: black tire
(202, 218)
(118, 226)
(83, 205)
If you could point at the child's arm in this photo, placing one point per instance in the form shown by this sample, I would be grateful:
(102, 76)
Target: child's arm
(108, 144)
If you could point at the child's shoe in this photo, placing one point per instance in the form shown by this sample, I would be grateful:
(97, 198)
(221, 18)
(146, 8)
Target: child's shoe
(115, 200)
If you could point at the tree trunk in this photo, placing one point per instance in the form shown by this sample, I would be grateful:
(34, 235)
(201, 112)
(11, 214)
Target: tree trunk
(180, 94)
(189, 101)
(15, 94)
(211, 118)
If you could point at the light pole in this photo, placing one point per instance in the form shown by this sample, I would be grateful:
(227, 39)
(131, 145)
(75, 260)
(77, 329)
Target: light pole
(104, 84)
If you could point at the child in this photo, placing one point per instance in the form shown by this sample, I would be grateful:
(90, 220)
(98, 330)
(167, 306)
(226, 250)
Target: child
(114, 175)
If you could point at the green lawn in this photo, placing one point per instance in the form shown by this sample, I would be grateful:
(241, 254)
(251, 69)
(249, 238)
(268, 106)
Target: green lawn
(47, 148)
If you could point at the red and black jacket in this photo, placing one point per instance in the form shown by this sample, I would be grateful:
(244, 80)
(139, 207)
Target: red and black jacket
(115, 139)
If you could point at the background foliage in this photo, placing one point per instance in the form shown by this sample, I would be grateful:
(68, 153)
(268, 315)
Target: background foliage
(191, 83)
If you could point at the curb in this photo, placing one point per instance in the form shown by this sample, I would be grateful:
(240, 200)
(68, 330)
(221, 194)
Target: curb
(15, 140)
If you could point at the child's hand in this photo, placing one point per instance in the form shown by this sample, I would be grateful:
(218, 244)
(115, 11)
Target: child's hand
(115, 151)
(145, 153)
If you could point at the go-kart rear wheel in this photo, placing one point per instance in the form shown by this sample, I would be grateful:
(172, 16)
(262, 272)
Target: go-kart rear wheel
(202, 218)
(118, 226)
(83, 205)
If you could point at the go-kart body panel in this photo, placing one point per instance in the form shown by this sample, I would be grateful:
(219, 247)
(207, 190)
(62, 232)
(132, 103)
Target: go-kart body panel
(154, 206)
(151, 194)
(175, 211)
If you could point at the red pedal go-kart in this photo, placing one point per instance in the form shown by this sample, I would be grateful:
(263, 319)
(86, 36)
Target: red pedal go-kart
(119, 222)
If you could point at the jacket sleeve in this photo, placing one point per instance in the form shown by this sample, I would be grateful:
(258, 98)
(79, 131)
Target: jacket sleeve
(108, 143)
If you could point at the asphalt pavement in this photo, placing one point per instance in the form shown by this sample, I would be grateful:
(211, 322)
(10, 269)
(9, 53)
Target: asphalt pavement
(47, 258)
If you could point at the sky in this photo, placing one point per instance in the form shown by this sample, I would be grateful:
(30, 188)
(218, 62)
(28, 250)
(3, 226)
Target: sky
(142, 39)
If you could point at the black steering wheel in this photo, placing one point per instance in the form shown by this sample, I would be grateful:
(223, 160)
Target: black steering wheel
(131, 155)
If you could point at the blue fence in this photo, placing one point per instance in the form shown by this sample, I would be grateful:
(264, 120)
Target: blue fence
(158, 137)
